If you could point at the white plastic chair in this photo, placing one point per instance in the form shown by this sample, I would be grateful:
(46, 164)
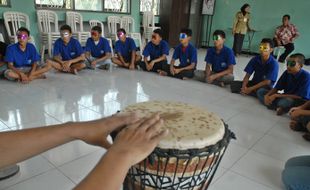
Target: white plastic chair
(128, 23)
(111, 45)
(113, 23)
(93, 23)
(148, 25)
(48, 28)
(278, 51)
(75, 20)
(137, 37)
(1, 38)
(13, 21)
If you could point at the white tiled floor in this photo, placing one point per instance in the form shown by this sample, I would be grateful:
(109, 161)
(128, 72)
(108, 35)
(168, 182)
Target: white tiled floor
(253, 161)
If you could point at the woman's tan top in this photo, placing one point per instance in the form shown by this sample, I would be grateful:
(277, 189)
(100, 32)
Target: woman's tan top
(241, 23)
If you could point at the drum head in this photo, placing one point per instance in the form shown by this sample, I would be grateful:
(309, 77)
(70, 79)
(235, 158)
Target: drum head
(189, 127)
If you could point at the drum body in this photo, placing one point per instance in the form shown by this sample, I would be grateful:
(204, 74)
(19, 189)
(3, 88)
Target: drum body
(182, 166)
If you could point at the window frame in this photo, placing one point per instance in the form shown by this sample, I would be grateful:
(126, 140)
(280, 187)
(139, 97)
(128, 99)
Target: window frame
(141, 12)
(126, 13)
(78, 10)
(7, 5)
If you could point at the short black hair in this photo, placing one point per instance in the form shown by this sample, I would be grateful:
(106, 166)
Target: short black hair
(121, 30)
(187, 31)
(97, 28)
(287, 16)
(219, 33)
(159, 32)
(300, 58)
(66, 27)
(243, 8)
(268, 41)
(23, 29)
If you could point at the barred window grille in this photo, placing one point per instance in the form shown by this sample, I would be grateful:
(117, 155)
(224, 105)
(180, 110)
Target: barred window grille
(92, 5)
(4, 3)
(150, 5)
(54, 4)
(118, 6)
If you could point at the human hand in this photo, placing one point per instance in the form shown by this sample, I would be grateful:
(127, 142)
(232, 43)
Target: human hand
(93, 64)
(149, 66)
(66, 66)
(246, 91)
(96, 132)
(24, 78)
(210, 79)
(139, 139)
(296, 113)
(177, 71)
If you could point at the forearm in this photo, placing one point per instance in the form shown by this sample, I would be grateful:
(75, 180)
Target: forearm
(111, 170)
(11, 66)
(272, 92)
(223, 73)
(261, 84)
(287, 96)
(162, 58)
(58, 59)
(33, 68)
(189, 67)
(78, 59)
(145, 60)
(208, 70)
(121, 58)
(245, 81)
(133, 57)
(16, 146)
(107, 56)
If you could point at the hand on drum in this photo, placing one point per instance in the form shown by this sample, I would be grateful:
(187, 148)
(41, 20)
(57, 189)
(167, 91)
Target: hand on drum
(138, 140)
(96, 132)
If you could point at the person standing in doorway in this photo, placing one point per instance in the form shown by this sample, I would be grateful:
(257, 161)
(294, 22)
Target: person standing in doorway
(241, 27)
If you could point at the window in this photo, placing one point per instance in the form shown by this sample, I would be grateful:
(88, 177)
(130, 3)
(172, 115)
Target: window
(4, 3)
(150, 5)
(93, 5)
(115, 6)
(118, 6)
(54, 4)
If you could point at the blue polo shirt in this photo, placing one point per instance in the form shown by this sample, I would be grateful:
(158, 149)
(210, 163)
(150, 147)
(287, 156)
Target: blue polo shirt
(186, 57)
(67, 52)
(263, 71)
(98, 50)
(298, 84)
(156, 51)
(125, 48)
(22, 58)
(220, 61)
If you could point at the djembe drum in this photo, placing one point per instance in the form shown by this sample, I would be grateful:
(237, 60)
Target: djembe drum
(188, 157)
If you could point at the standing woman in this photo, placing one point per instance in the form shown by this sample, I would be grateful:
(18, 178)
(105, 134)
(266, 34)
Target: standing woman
(241, 27)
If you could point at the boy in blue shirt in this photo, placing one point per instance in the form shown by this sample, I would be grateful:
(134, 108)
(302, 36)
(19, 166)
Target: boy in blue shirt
(98, 50)
(220, 61)
(265, 68)
(295, 82)
(68, 53)
(187, 54)
(23, 60)
(125, 49)
(158, 50)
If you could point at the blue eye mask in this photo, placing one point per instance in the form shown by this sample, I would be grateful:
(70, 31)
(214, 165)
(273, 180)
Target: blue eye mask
(183, 36)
